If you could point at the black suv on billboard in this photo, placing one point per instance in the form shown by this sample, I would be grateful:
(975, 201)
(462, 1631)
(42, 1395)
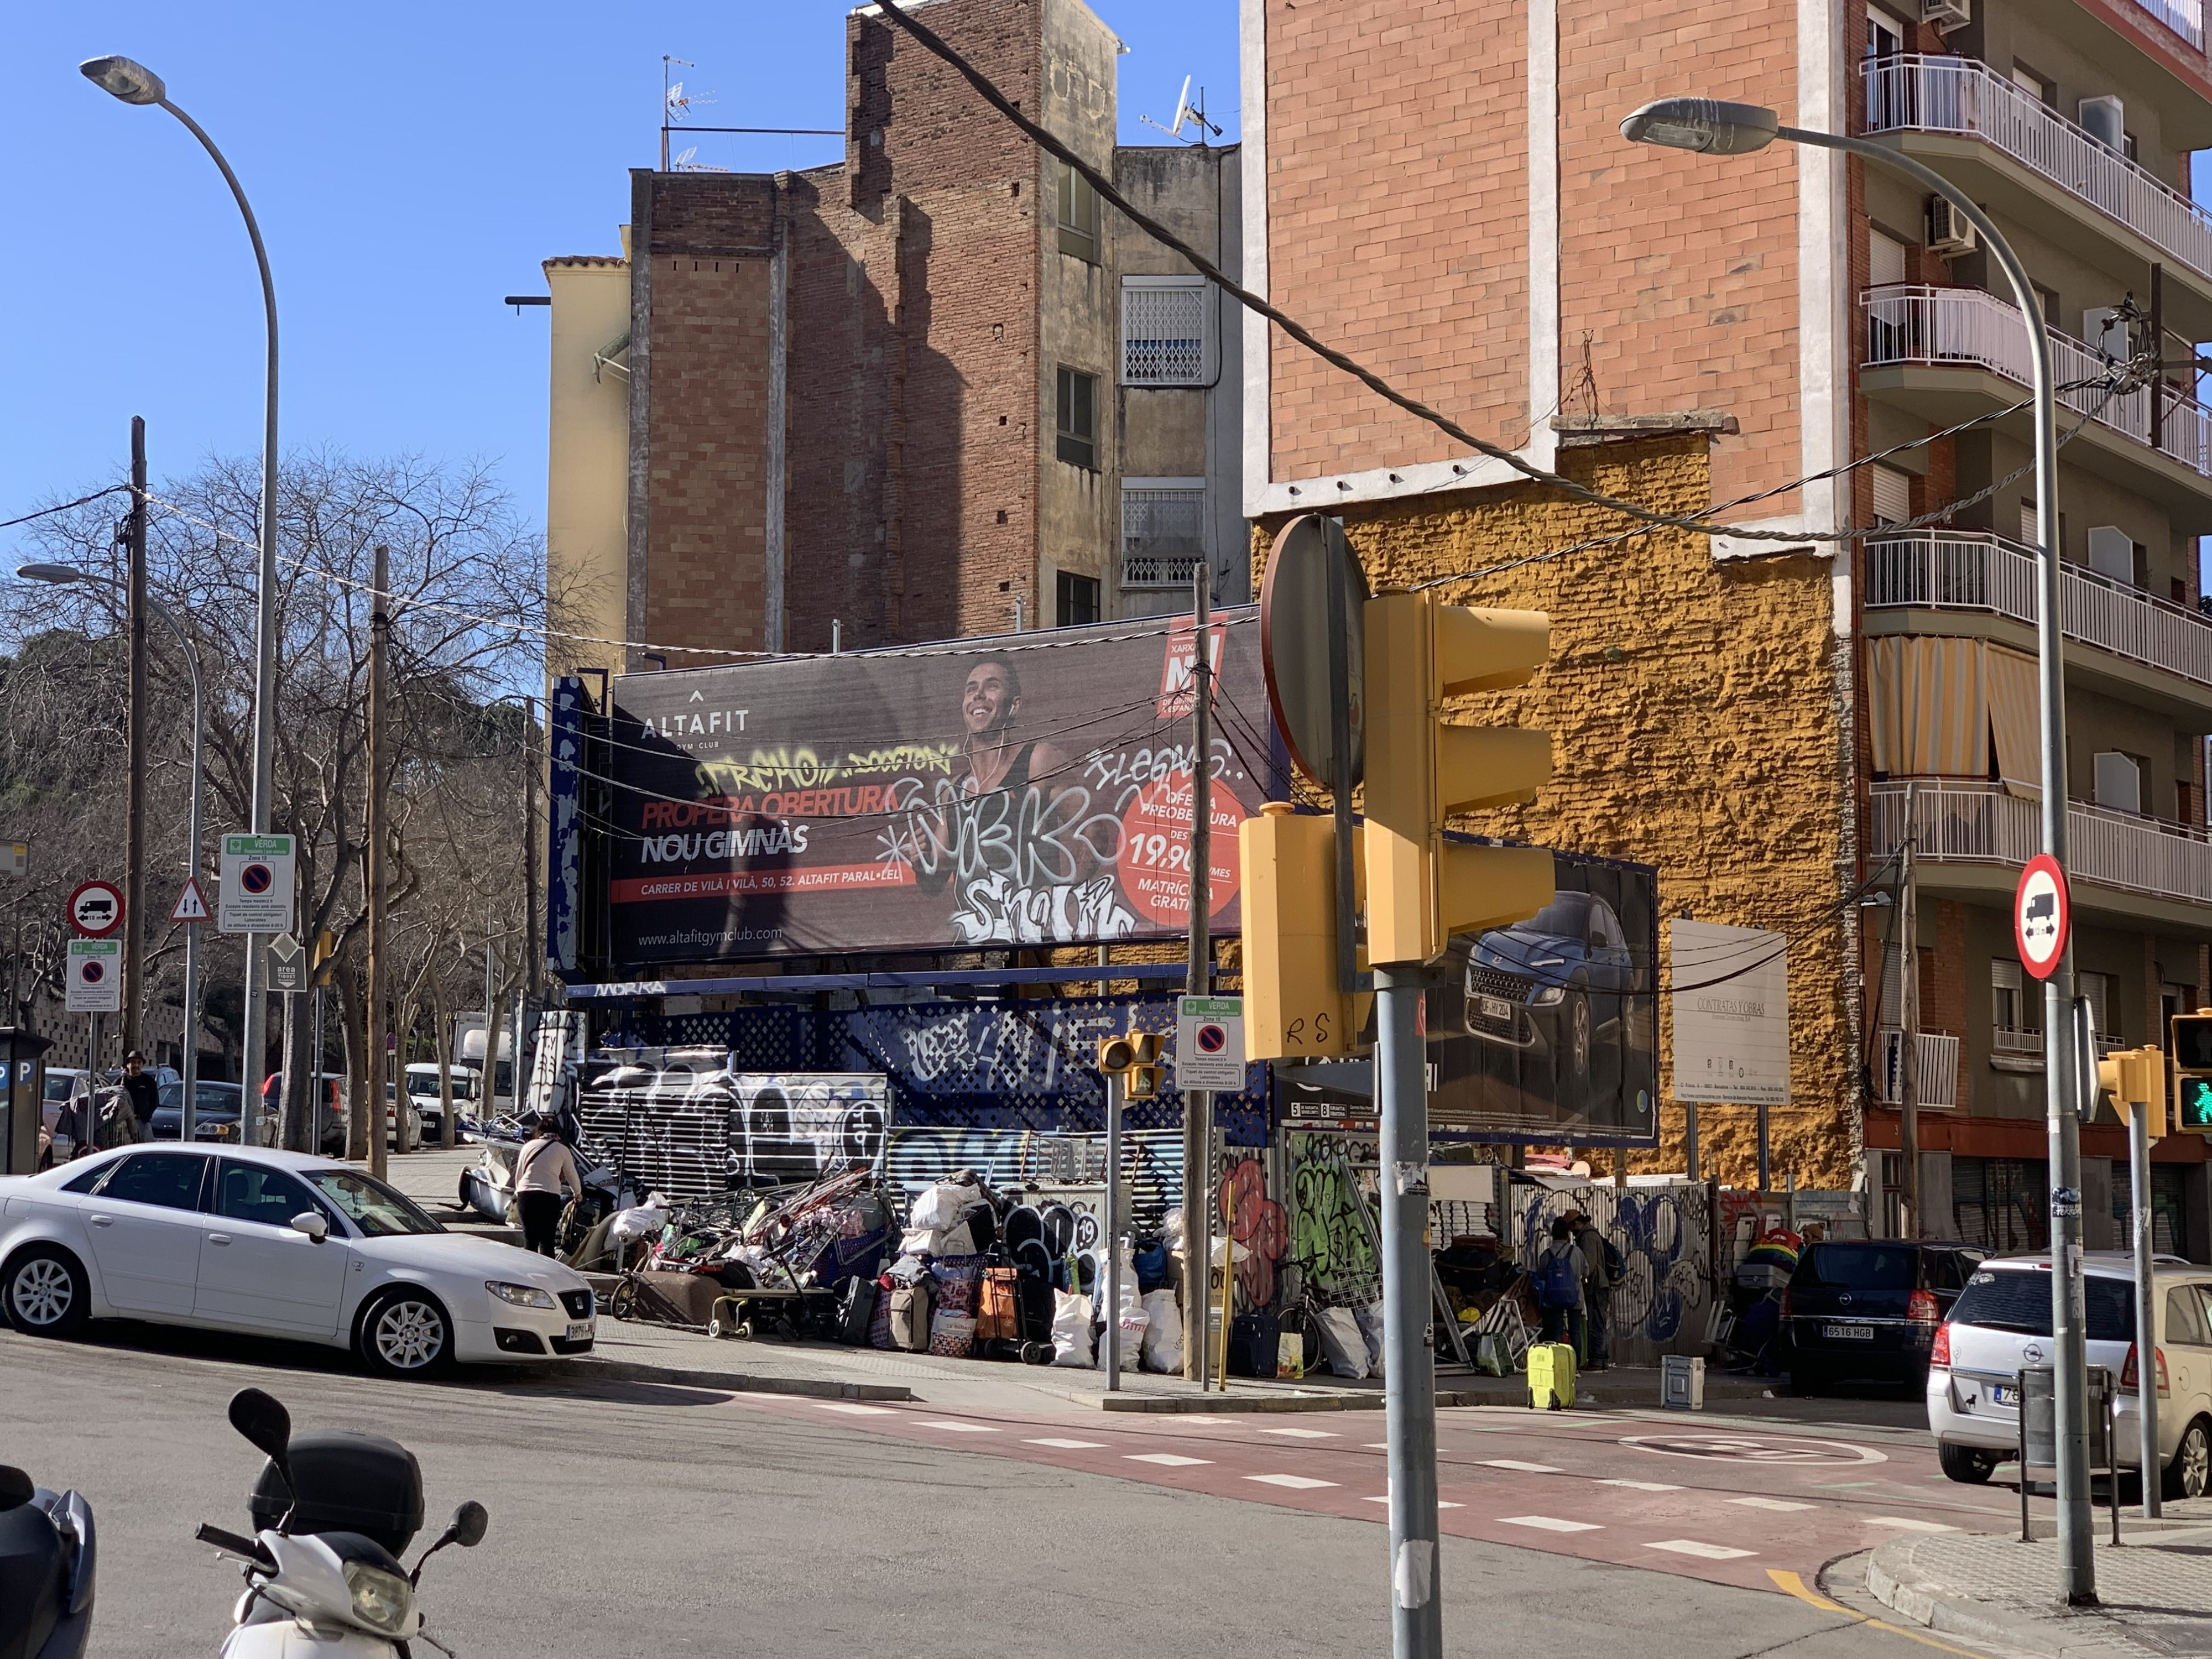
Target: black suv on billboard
(1558, 983)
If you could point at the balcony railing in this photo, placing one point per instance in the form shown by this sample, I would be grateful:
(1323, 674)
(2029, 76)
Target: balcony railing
(1981, 823)
(1938, 1082)
(1957, 94)
(1914, 324)
(2185, 17)
(1957, 570)
(1162, 536)
(2024, 1048)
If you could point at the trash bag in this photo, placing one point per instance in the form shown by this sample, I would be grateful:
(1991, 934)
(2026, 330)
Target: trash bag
(940, 1205)
(1152, 1266)
(1370, 1320)
(1162, 1348)
(1341, 1339)
(1070, 1329)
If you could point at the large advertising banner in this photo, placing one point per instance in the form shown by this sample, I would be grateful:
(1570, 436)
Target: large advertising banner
(1024, 790)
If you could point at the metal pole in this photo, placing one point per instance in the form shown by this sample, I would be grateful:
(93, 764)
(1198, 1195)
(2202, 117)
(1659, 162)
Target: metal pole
(1908, 1020)
(1115, 1222)
(2146, 1321)
(191, 1066)
(490, 1024)
(379, 630)
(134, 788)
(2077, 1564)
(1409, 1372)
(1690, 1136)
(315, 1100)
(1764, 1176)
(1198, 1165)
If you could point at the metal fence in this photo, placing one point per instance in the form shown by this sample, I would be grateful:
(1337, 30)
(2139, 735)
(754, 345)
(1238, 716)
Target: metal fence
(1163, 333)
(1909, 91)
(1163, 537)
(1982, 823)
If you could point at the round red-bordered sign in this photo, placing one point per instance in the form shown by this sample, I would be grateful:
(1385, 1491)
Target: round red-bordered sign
(2042, 915)
(95, 908)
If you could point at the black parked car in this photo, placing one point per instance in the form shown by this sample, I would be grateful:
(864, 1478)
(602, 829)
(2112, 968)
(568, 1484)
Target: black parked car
(1866, 1311)
(215, 1112)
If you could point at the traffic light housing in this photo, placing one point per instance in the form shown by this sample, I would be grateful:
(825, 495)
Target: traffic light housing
(1420, 770)
(2137, 1076)
(1295, 1007)
(2192, 1071)
(1137, 1058)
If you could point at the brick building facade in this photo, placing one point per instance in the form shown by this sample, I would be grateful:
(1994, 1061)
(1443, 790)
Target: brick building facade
(888, 400)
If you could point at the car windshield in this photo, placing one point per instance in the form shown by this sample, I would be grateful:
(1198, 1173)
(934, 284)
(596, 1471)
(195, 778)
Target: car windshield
(370, 1205)
(1565, 915)
(60, 1084)
(206, 1097)
(2019, 1301)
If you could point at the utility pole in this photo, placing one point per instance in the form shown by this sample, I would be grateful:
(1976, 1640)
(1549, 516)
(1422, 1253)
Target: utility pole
(380, 627)
(1908, 1020)
(533, 942)
(1198, 1104)
(134, 791)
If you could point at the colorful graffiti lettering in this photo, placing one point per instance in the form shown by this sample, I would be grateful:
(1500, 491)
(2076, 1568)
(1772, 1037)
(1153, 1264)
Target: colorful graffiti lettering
(1258, 1224)
(1329, 1240)
(1661, 1231)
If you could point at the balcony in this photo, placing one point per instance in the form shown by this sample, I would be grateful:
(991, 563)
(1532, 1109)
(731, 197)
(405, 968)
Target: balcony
(1964, 571)
(1938, 1082)
(2152, 871)
(1924, 347)
(1162, 531)
(1961, 97)
(2185, 17)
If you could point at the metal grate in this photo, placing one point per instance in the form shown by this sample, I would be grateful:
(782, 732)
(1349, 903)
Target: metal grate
(1163, 537)
(1164, 334)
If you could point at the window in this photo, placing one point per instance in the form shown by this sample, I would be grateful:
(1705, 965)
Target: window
(2185, 1318)
(2118, 782)
(1166, 326)
(266, 1197)
(1893, 495)
(1886, 259)
(1077, 419)
(371, 1206)
(2040, 87)
(2011, 1007)
(1079, 215)
(2098, 991)
(2017, 1299)
(1078, 599)
(1885, 37)
(1162, 530)
(170, 1180)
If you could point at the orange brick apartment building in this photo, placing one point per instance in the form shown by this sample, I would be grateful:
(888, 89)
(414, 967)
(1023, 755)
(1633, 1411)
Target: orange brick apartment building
(1441, 189)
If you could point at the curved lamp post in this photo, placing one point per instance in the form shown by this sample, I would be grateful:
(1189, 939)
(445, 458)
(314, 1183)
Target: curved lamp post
(134, 83)
(1717, 128)
(66, 573)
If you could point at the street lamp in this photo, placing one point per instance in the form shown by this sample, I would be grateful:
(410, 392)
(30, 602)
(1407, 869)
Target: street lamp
(134, 83)
(1717, 128)
(59, 574)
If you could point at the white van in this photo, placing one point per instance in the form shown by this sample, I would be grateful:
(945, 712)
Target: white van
(2002, 1324)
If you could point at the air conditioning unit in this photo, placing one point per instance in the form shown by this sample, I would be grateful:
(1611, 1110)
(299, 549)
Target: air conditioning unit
(1946, 13)
(1949, 231)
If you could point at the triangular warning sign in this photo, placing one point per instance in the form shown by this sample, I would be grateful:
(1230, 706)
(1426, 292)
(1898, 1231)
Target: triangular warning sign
(191, 907)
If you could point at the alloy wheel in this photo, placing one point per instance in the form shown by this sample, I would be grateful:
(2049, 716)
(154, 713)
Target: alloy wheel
(41, 1292)
(2194, 1459)
(408, 1335)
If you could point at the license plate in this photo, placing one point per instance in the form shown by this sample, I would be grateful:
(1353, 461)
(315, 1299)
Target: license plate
(2000, 1396)
(1496, 1008)
(578, 1330)
(1848, 1333)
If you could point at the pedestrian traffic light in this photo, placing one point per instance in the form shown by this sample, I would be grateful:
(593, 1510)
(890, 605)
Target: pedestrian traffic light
(1137, 1058)
(2136, 1078)
(1420, 770)
(2192, 1071)
(1295, 1006)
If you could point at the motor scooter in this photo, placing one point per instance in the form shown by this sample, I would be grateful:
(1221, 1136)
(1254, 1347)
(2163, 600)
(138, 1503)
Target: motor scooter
(331, 1510)
(47, 1561)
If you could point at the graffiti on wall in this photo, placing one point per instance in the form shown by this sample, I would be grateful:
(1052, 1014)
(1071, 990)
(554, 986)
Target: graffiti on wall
(691, 1128)
(1255, 1222)
(1330, 1240)
(1664, 1234)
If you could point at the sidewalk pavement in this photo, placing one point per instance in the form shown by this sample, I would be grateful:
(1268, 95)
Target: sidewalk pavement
(2155, 1590)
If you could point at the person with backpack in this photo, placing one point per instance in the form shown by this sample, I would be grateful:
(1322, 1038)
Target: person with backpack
(1557, 1278)
(1603, 1267)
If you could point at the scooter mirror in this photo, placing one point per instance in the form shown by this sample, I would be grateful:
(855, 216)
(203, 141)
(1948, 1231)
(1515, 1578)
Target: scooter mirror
(467, 1527)
(264, 1421)
(16, 1489)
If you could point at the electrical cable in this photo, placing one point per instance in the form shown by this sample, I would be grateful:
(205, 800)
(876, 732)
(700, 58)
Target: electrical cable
(49, 511)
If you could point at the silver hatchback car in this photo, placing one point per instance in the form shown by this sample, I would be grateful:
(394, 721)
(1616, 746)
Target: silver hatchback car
(2001, 1325)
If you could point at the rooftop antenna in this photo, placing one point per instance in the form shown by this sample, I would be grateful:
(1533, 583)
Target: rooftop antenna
(1185, 113)
(675, 102)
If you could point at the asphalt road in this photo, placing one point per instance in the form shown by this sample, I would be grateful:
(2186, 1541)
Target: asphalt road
(690, 1520)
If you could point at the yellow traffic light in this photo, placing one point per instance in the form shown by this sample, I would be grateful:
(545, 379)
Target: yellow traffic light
(1143, 1082)
(1420, 770)
(2137, 1076)
(1294, 1007)
(1137, 1057)
(2192, 1072)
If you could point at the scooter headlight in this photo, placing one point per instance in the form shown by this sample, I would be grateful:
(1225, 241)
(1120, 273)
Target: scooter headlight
(382, 1601)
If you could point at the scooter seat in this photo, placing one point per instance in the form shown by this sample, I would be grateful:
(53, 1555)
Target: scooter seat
(33, 1581)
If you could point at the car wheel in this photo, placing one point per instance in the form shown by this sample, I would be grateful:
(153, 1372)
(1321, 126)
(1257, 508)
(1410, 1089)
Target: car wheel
(2187, 1475)
(405, 1333)
(45, 1292)
(1579, 1036)
(1968, 1464)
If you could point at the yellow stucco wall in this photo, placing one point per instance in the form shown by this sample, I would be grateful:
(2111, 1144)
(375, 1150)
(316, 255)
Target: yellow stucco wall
(1695, 721)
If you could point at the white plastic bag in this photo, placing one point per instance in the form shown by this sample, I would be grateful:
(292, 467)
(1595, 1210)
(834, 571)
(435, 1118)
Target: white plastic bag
(1341, 1339)
(941, 1206)
(1070, 1329)
(1370, 1320)
(1162, 1341)
(640, 1222)
(923, 1241)
(1171, 1231)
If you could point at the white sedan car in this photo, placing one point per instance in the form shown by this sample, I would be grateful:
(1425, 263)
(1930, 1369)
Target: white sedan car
(274, 1243)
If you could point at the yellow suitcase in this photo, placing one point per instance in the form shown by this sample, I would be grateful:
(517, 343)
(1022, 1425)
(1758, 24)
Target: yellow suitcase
(1552, 1376)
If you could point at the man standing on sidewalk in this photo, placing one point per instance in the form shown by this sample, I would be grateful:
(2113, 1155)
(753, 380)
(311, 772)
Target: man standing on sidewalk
(1597, 1253)
(140, 1095)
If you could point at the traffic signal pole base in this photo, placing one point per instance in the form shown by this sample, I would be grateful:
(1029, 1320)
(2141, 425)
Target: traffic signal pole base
(1409, 1375)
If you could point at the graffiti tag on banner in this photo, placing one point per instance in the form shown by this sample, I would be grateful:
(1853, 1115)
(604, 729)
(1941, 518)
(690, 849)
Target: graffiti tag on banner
(692, 1128)
(985, 792)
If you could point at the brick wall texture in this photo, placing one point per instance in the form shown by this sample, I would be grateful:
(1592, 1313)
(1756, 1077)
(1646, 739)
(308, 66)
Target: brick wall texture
(1694, 719)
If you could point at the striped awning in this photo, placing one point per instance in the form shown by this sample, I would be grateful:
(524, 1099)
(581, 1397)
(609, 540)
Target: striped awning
(2015, 719)
(1945, 708)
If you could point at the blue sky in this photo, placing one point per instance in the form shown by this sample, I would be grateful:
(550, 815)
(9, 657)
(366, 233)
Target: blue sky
(409, 163)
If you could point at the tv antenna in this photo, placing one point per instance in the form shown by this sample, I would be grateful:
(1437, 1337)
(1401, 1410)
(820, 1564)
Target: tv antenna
(674, 103)
(1186, 112)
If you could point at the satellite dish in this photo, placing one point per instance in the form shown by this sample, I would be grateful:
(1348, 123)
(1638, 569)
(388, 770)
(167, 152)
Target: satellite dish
(1185, 113)
(1182, 107)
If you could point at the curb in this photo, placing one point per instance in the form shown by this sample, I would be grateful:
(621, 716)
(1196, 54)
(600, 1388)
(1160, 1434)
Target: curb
(1903, 1591)
(815, 1388)
(1194, 1403)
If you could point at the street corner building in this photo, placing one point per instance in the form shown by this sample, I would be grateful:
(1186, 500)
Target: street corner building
(1800, 345)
